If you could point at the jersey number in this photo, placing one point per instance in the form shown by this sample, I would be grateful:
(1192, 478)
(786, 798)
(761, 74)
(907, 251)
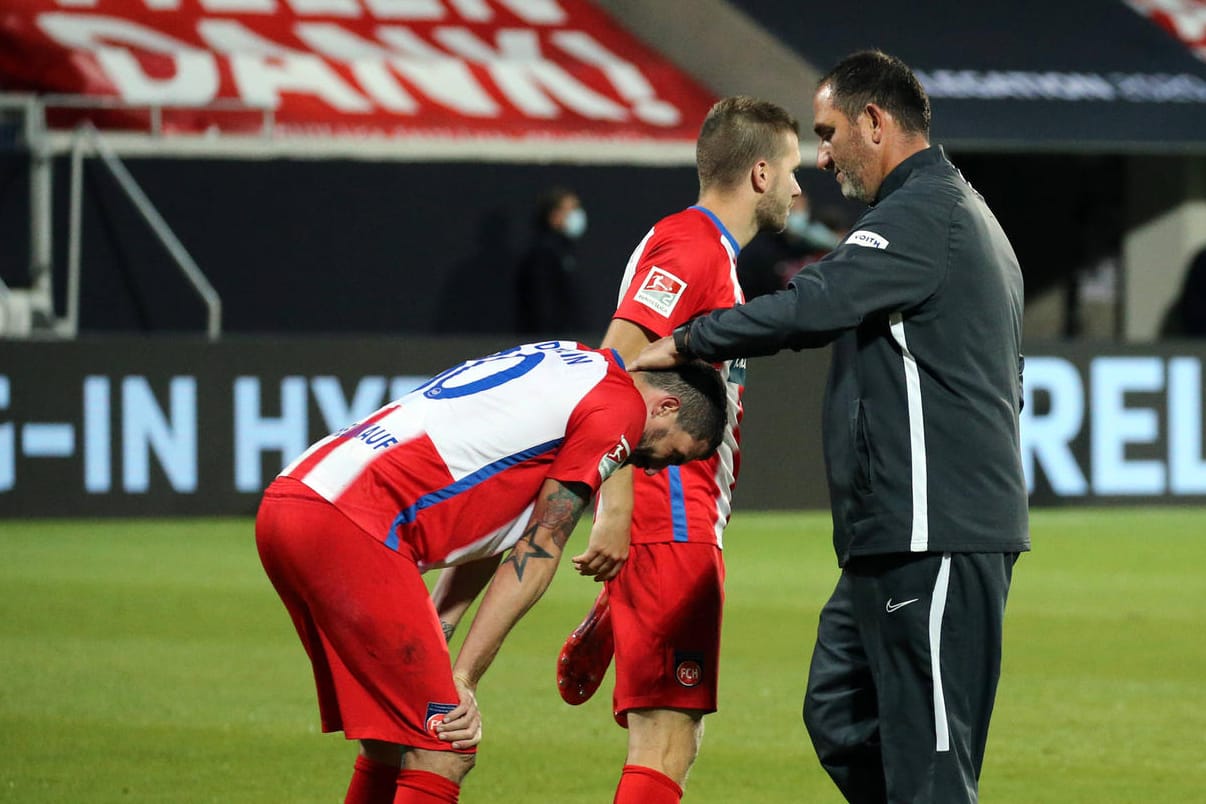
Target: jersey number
(438, 387)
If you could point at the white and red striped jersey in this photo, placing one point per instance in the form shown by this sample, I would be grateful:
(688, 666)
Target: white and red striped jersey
(450, 472)
(684, 267)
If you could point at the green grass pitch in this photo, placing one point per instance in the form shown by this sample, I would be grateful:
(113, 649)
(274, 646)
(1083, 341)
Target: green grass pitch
(149, 661)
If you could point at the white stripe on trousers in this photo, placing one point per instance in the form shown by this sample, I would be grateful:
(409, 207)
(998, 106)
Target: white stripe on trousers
(937, 608)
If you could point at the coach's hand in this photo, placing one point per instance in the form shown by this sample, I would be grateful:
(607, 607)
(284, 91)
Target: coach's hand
(661, 354)
(462, 726)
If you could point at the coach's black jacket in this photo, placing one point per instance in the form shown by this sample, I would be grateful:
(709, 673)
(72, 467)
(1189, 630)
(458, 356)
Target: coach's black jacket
(923, 305)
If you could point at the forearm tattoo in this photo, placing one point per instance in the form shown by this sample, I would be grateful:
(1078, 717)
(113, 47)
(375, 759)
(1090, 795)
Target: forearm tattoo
(562, 509)
(449, 629)
(561, 512)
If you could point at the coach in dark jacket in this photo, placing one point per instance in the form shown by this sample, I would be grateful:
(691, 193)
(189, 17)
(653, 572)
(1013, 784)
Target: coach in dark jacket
(923, 305)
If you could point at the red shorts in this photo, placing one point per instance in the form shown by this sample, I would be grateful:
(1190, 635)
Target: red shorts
(364, 616)
(666, 609)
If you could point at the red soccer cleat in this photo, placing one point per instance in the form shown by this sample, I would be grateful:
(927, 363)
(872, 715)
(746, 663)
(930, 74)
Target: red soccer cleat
(586, 653)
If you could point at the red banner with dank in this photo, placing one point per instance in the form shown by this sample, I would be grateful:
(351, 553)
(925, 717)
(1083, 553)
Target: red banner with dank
(509, 69)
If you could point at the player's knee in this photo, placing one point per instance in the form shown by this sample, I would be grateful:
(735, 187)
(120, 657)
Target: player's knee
(683, 748)
(454, 766)
(449, 764)
(665, 740)
(462, 764)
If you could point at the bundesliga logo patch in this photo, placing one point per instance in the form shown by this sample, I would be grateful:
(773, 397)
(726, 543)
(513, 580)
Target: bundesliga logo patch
(688, 668)
(614, 459)
(660, 291)
(435, 715)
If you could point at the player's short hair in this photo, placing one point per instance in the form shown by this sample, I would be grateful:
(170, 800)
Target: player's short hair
(737, 132)
(701, 390)
(872, 76)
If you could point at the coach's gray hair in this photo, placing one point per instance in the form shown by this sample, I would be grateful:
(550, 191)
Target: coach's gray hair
(701, 390)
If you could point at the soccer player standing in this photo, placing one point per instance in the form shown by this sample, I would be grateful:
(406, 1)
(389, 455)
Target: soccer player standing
(497, 453)
(922, 303)
(657, 540)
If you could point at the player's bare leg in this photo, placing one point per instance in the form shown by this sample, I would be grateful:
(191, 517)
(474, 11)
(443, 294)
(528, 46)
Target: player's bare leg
(449, 764)
(375, 778)
(432, 777)
(665, 741)
(388, 773)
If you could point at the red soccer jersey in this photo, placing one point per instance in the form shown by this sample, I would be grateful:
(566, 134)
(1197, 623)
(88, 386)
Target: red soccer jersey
(684, 267)
(450, 472)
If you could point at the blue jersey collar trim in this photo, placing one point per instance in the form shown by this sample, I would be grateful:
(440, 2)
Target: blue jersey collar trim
(619, 359)
(723, 231)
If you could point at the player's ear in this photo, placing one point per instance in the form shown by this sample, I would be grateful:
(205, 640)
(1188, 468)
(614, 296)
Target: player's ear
(667, 406)
(760, 176)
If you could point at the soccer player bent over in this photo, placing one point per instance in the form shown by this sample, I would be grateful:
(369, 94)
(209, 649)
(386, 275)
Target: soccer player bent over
(497, 453)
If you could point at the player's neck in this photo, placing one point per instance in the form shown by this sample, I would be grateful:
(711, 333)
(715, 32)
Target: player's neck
(736, 214)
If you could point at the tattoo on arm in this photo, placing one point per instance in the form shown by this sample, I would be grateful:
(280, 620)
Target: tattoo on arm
(526, 549)
(449, 629)
(561, 512)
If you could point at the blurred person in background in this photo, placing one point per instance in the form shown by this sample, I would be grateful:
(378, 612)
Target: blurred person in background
(498, 453)
(658, 539)
(922, 304)
(1186, 318)
(770, 260)
(548, 301)
(808, 229)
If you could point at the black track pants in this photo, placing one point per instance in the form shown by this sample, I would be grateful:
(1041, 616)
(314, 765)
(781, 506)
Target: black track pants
(904, 672)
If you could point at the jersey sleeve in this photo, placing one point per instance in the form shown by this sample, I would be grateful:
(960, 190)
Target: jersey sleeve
(602, 431)
(674, 281)
(893, 262)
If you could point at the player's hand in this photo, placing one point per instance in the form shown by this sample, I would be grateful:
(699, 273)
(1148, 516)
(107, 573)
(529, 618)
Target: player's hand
(605, 553)
(661, 354)
(462, 726)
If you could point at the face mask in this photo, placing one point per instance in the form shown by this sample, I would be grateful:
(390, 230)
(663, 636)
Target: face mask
(575, 223)
(797, 222)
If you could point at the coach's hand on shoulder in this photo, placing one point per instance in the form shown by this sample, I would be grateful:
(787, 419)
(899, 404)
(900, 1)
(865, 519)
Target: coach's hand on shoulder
(462, 726)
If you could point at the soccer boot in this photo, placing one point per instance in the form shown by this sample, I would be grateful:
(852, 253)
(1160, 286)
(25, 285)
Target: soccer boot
(586, 654)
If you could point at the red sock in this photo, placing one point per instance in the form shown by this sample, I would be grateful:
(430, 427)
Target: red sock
(372, 782)
(425, 787)
(641, 785)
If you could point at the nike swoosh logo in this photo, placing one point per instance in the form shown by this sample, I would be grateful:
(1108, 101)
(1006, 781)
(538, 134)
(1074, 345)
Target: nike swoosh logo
(891, 607)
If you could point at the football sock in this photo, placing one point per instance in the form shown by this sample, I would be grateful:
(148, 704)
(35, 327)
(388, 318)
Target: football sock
(641, 785)
(425, 787)
(372, 782)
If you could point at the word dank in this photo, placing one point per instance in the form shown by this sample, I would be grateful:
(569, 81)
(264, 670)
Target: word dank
(399, 58)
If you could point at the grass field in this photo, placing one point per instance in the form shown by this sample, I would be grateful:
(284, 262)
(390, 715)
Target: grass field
(150, 661)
